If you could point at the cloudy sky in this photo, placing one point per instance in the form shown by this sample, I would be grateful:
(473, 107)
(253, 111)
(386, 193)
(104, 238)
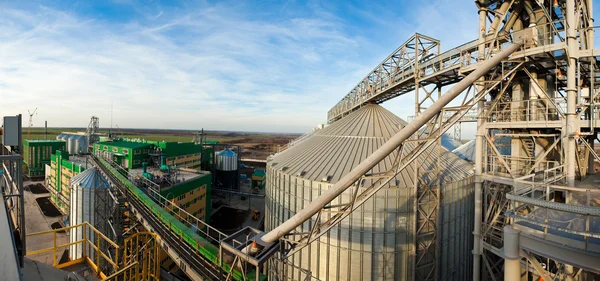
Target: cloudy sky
(239, 65)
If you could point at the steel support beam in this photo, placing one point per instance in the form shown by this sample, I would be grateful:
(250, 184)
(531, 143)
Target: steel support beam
(393, 143)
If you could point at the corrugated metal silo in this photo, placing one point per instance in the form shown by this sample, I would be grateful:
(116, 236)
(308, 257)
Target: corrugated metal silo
(71, 144)
(81, 144)
(227, 165)
(87, 187)
(378, 241)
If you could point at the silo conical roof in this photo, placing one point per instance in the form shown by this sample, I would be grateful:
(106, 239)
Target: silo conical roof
(332, 152)
(89, 178)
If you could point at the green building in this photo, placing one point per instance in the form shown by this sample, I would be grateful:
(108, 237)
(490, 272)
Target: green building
(128, 154)
(131, 153)
(37, 153)
(192, 195)
(63, 168)
(182, 154)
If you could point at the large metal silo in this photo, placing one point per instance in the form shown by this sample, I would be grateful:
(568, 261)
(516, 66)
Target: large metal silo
(380, 240)
(87, 204)
(71, 144)
(81, 144)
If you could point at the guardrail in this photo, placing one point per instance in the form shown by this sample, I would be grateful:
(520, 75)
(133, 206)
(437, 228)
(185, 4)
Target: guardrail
(153, 191)
(91, 244)
(515, 165)
(527, 110)
(575, 223)
(398, 73)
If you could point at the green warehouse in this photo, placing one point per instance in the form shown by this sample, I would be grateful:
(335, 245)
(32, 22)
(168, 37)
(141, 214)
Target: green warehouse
(128, 154)
(63, 168)
(132, 153)
(37, 153)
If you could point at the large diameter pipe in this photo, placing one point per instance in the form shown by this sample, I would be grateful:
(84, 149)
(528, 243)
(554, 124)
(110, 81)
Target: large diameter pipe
(479, 158)
(512, 260)
(500, 14)
(349, 179)
(530, 13)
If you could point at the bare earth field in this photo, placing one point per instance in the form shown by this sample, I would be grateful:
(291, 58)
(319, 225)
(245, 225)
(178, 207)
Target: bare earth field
(254, 145)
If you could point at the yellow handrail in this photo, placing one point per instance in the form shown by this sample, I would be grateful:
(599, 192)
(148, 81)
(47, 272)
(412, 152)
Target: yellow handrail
(85, 243)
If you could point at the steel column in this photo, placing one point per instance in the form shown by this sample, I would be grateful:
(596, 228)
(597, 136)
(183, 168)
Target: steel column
(571, 124)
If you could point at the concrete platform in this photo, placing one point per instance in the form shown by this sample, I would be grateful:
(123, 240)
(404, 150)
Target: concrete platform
(35, 221)
(38, 271)
(251, 203)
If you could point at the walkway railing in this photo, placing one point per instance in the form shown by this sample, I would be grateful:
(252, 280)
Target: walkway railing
(102, 261)
(398, 73)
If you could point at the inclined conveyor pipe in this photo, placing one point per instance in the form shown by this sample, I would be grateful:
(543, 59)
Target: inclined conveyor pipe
(349, 179)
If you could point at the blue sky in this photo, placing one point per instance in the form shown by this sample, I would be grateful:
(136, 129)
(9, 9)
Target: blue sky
(235, 65)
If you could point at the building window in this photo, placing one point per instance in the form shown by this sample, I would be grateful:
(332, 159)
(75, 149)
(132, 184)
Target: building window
(136, 151)
(181, 197)
(136, 161)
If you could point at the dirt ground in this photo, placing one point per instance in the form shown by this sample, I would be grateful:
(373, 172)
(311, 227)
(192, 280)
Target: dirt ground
(255, 145)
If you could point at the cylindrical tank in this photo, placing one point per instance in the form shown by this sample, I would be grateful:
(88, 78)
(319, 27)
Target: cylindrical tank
(81, 144)
(227, 161)
(71, 144)
(87, 187)
(380, 239)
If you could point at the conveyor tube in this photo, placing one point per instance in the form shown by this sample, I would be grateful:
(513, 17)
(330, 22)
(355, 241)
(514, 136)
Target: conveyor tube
(387, 148)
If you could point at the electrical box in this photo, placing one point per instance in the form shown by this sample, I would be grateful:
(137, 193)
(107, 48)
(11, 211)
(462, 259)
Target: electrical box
(585, 92)
(10, 136)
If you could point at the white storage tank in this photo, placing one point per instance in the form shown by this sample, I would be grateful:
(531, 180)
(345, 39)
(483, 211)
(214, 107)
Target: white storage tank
(61, 137)
(71, 144)
(380, 239)
(227, 160)
(81, 144)
(86, 188)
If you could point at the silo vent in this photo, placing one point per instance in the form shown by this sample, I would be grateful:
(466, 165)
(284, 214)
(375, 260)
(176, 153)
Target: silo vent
(285, 168)
(326, 178)
(301, 173)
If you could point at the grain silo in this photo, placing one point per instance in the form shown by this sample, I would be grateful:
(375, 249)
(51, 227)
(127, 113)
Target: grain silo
(227, 168)
(88, 203)
(380, 240)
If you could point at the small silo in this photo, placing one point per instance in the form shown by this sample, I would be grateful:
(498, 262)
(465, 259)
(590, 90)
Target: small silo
(380, 240)
(71, 139)
(227, 166)
(81, 144)
(89, 194)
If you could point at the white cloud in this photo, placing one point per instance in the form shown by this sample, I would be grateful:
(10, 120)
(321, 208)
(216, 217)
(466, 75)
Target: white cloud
(207, 68)
(217, 67)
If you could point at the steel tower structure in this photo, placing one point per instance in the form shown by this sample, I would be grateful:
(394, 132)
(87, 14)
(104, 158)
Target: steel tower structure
(533, 204)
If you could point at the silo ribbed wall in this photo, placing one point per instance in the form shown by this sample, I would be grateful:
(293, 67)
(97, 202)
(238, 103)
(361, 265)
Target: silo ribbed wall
(377, 241)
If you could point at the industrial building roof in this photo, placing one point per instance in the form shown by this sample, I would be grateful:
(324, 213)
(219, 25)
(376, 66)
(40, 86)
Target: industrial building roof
(332, 152)
(43, 141)
(126, 144)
